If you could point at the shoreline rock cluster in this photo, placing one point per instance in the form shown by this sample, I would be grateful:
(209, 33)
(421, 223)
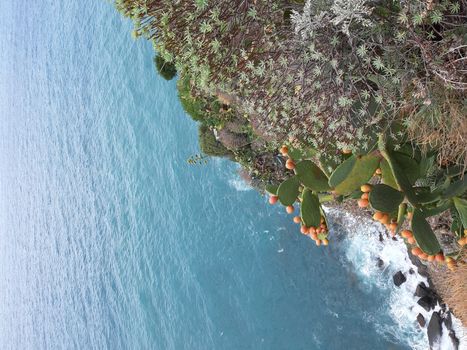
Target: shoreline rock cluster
(431, 301)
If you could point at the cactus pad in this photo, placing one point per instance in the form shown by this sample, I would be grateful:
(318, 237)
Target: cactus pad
(272, 189)
(288, 191)
(312, 176)
(310, 209)
(423, 234)
(387, 175)
(353, 172)
(461, 207)
(385, 198)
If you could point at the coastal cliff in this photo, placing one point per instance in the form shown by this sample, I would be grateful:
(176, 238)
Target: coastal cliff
(356, 105)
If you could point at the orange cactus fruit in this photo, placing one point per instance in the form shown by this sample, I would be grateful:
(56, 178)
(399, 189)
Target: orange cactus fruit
(411, 240)
(365, 188)
(363, 203)
(385, 219)
(290, 164)
(439, 257)
(378, 216)
(284, 150)
(273, 200)
(289, 209)
(406, 234)
(378, 171)
(297, 219)
(364, 196)
(416, 251)
(314, 236)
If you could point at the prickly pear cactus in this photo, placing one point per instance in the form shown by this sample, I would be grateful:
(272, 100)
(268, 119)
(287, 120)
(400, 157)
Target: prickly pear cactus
(310, 209)
(288, 191)
(353, 172)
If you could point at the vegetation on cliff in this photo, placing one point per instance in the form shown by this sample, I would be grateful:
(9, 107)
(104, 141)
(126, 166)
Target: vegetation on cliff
(365, 99)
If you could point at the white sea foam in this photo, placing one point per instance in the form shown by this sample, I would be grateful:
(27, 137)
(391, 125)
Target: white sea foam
(233, 178)
(362, 248)
(239, 184)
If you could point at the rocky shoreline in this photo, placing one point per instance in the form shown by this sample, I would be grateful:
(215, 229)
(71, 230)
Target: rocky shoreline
(439, 327)
(440, 324)
(430, 299)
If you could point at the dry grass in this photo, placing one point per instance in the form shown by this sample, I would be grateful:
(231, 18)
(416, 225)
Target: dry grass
(452, 286)
(441, 124)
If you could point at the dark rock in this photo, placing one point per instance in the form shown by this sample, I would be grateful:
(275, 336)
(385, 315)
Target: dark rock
(447, 320)
(381, 239)
(421, 320)
(428, 297)
(411, 271)
(422, 290)
(380, 263)
(399, 278)
(434, 329)
(454, 340)
(444, 307)
(427, 302)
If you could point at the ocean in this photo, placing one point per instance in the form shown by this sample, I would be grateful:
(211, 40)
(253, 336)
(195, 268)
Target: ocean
(109, 239)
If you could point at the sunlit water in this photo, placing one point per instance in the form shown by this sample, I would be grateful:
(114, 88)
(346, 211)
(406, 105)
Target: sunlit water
(110, 240)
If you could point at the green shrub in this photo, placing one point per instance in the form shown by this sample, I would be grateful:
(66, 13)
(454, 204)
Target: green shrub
(208, 143)
(166, 69)
(192, 106)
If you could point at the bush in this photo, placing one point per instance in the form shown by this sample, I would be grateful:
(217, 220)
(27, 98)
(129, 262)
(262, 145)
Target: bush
(192, 106)
(166, 69)
(209, 144)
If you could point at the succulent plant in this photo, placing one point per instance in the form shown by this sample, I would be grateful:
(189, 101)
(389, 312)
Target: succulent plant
(397, 196)
(353, 172)
(310, 209)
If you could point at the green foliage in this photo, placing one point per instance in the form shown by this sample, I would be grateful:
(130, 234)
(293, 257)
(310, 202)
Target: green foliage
(461, 207)
(385, 198)
(353, 172)
(310, 209)
(166, 69)
(312, 176)
(402, 211)
(208, 143)
(288, 191)
(399, 173)
(409, 164)
(272, 189)
(457, 188)
(193, 107)
(387, 174)
(424, 235)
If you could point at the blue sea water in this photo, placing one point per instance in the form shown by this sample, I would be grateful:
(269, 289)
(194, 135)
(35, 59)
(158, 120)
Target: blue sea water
(110, 240)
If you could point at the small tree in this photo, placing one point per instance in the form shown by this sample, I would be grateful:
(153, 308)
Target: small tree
(166, 69)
